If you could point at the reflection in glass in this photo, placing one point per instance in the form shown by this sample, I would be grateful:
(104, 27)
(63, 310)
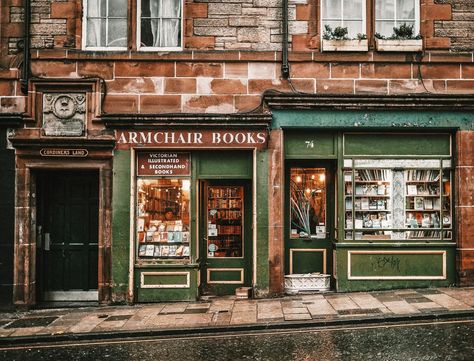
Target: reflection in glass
(106, 23)
(163, 218)
(308, 202)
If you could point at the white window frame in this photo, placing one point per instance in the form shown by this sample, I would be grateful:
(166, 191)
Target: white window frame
(154, 48)
(364, 17)
(84, 34)
(416, 29)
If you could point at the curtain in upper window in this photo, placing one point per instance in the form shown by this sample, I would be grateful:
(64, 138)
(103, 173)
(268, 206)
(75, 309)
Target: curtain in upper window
(160, 24)
(393, 13)
(106, 24)
(344, 13)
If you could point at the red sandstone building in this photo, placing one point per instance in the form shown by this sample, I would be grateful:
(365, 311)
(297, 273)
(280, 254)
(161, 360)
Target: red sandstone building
(168, 149)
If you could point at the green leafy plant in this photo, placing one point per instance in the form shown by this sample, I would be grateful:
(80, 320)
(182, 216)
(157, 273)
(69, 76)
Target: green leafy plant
(339, 33)
(402, 32)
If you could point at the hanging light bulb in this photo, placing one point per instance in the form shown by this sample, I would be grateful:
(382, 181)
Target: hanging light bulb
(313, 176)
(298, 179)
(308, 190)
(322, 177)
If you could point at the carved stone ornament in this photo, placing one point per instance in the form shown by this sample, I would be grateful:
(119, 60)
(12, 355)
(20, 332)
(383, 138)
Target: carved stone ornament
(64, 115)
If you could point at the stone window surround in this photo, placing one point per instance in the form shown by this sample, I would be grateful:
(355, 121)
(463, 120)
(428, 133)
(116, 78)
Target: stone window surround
(133, 32)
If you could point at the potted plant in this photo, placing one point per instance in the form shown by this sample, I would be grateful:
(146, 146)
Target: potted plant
(337, 40)
(402, 39)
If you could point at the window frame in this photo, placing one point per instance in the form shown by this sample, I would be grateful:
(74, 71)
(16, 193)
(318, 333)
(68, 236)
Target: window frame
(363, 11)
(84, 33)
(155, 48)
(416, 28)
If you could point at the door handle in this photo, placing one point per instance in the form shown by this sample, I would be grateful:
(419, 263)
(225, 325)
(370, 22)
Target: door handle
(64, 253)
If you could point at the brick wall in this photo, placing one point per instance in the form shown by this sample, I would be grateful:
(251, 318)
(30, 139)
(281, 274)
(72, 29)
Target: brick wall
(460, 28)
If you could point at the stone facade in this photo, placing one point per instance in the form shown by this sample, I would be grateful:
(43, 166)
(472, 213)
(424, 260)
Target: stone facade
(231, 57)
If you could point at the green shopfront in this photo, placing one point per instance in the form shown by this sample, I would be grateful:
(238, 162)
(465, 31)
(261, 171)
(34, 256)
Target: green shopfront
(186, 218)
(365, 195)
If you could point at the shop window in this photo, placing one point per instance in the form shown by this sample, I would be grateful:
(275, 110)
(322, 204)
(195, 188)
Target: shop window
(159, 25)
(308, 202)
(391, 14)
(348, 14)
(162, 222)
(412, 201)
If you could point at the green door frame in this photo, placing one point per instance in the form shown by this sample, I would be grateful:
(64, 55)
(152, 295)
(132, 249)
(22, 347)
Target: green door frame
(306, 245)
(226, 268)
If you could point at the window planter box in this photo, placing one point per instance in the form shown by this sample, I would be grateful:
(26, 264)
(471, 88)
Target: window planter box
(345, 45)
(310, 282)
(399, 45)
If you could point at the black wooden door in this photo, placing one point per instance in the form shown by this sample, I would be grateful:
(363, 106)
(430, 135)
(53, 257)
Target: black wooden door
(68, 219)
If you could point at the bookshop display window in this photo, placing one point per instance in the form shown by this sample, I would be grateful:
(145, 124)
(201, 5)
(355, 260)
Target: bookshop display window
(163, 227)
(307, 202)
(225, 221)
(397, 199)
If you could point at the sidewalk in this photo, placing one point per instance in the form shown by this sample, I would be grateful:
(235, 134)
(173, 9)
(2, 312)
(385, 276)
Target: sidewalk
(228, 313)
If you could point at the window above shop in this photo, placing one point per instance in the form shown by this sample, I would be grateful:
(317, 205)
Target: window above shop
(391, 14)
(157, 25)
(348, 14)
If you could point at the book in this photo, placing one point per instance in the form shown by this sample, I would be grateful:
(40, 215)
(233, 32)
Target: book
(419, 203)
(428, 203)
(142, 250)
(186, 251)
(150, 250)
(411, 190)
(364, 203)
(165, 251)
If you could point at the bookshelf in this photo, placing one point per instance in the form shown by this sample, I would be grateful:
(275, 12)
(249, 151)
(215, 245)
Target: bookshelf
(162, 223)
(225, 221)
(367, 201)
(404, 200)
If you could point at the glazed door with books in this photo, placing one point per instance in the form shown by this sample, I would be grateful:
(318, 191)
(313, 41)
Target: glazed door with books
(225, 253)
(67, 241)
(309, 222)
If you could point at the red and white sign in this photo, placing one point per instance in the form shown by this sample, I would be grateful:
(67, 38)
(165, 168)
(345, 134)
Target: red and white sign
(163, 163)
(191, 138)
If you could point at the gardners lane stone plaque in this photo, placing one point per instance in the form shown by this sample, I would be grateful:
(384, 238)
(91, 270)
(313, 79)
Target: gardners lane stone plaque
(64, 114)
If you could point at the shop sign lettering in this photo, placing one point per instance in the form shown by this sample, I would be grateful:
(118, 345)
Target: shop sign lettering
(163, 163)
(205, 138)
(52, 152)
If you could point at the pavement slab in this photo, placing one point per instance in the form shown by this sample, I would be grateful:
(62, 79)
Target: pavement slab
(400, 307)
(449, 302)
(225, 311)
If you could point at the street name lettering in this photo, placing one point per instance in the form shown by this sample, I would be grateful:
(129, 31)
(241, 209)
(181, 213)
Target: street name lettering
(51, 152)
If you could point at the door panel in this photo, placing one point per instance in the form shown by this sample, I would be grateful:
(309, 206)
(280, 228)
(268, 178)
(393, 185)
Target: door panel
(68, 212)
(226, 236)
(309, 226)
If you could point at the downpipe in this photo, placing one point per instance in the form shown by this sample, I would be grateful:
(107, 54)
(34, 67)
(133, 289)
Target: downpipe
(285, 66)
(26, 71)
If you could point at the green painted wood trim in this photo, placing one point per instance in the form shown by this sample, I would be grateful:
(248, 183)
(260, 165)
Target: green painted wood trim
(396, 264)
(263, 276)
(237, 164)
(399, 144)
(228, 275)
(311, 144)
(344, 284)
(165, 279)
(121, 221)
(389, 119)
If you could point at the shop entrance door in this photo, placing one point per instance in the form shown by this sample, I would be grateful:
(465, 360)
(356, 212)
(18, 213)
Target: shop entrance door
(225, 252)
(309, 230)
(67, 241)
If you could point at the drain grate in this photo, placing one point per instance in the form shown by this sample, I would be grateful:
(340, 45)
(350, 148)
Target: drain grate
(31, 322)
(118, 318)
(195, 310)
(361, 311)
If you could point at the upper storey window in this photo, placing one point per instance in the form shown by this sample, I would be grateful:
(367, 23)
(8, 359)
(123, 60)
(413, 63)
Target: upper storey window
(344, 13)
(106, 25)
(391, 14)
(160, 24)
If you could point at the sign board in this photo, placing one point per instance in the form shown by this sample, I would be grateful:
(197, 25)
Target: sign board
(55, 152)
(163, 163)
(192, 138)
